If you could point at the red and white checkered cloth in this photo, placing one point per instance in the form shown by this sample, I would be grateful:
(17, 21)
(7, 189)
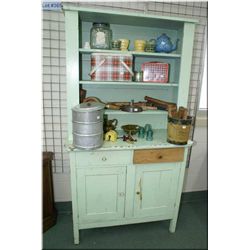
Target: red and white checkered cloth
(110, 67)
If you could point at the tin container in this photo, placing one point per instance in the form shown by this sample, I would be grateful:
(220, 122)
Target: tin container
(155, 72)
(88, 112)
(88, 141)
(178, 130)
(111, 67)
(87, 121)
(87, 128)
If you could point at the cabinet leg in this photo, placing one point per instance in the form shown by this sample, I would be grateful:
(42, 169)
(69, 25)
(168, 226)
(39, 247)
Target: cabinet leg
(76, 236)
(172, 225)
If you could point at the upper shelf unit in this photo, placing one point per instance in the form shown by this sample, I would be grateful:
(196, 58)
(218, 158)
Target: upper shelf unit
(131, 26)
(127, 25)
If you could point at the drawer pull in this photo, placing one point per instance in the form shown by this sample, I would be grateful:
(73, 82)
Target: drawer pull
(104, 158)
(160, 157)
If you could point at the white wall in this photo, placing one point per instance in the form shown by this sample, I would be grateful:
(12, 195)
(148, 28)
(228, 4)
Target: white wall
(196, 174)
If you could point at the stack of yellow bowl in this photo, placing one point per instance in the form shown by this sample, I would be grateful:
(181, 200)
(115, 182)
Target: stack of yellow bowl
(140, 45)
(124, 44)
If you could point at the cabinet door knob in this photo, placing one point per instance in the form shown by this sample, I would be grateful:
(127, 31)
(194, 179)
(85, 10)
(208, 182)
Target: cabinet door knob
(138, 193)
(104, 158)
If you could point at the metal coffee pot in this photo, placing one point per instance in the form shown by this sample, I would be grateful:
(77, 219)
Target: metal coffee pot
(110, 125)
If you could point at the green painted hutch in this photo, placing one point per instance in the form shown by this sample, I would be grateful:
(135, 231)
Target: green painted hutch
(122, 183)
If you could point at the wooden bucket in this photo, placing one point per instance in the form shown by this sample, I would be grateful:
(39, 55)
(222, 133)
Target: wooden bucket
(178, 130)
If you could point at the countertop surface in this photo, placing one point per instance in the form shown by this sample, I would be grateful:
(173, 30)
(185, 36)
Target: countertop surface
(159, 141)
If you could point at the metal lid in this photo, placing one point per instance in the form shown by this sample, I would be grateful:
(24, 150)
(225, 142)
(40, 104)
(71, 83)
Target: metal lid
(88, 106)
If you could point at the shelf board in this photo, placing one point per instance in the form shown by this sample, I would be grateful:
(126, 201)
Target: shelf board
(144, 84)
(147, 112)
(135, 53)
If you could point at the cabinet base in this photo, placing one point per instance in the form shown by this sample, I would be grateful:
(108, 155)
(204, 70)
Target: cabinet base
(87, 225)
(123, 222)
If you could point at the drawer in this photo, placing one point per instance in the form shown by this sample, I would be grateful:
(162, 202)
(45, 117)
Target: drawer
(158, 155)
(103, 158)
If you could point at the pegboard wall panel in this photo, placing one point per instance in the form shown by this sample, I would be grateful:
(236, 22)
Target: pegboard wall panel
(54, 66)
(54, 89)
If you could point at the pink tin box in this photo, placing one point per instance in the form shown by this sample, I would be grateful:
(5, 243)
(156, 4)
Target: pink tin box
(155, 72)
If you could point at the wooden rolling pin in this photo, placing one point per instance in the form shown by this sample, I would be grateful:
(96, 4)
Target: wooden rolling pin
(148, 108)
(117, 105)
(107, 105)
(159, 103)
(112, 106)
(145, 106)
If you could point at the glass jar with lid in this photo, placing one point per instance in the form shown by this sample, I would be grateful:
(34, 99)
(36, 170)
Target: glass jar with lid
(101, 36)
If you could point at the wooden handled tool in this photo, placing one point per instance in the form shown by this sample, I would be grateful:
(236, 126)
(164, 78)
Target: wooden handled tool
(112, 106)
(159, 103)
(171, 110)
(83, 93)
(182, 113)
(119, 103)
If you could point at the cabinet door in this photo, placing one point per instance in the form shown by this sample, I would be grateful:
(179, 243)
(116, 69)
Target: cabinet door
(155, 189)
(101, 193)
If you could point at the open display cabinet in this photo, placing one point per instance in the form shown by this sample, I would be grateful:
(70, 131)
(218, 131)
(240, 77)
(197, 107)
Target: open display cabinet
(119, 178)
(131, 26)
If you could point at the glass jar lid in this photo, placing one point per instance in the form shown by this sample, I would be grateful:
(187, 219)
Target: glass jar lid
(101, 24)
